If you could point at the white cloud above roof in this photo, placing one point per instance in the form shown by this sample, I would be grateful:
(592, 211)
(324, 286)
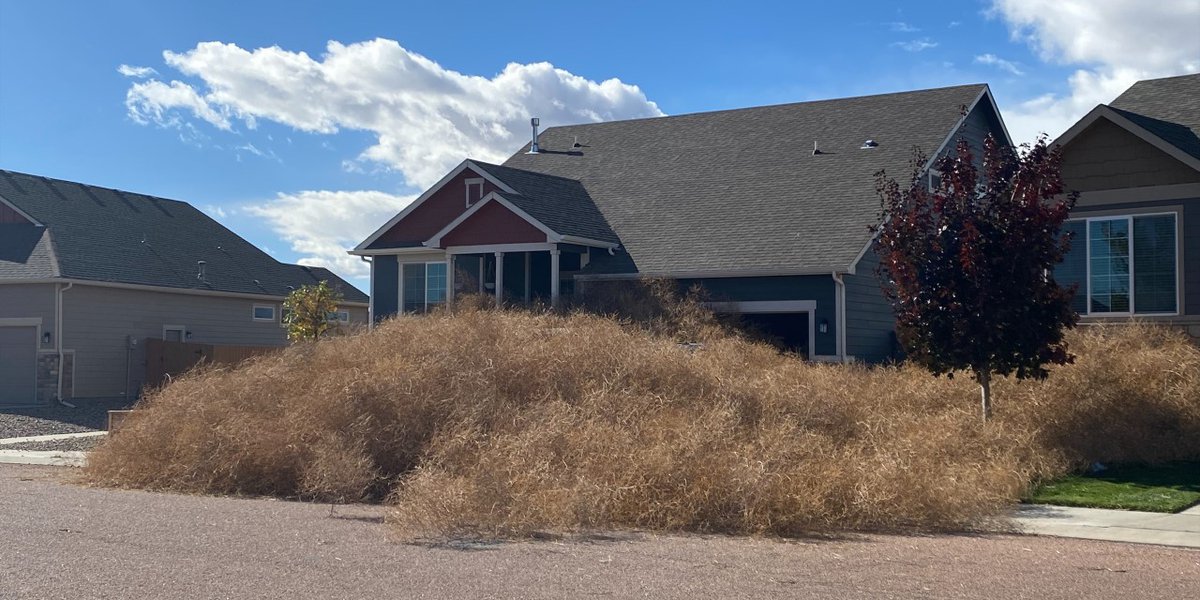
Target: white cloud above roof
(425, 117)
(321, 225)
(1114, 42)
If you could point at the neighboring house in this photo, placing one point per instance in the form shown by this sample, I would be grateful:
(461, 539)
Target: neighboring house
(86, 273)
(736, 201)
(1136, 164)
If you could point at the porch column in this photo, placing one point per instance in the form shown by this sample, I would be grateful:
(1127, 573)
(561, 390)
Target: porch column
(499, 278)
(449, 279)
(528, 276)
(554, 277)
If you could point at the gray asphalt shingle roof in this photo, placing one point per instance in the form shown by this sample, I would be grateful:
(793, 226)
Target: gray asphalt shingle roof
(559, 203)
(1167, 107)
(740, 190)
(103, 234)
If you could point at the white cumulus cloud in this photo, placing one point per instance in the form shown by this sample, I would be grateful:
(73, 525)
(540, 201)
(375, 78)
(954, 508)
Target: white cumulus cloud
(999, 63)
(321, 225)
(425, 118)
(136, 72)
(1114, 42)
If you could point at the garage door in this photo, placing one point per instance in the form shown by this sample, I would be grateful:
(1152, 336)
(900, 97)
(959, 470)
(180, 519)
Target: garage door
(18, 365)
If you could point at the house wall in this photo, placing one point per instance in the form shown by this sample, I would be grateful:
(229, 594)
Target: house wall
(493, 224)
(443, 206)
(1106, 156)
(30, 301)
(819, 288)
(100, 321)
(385, 289)
(870, 322)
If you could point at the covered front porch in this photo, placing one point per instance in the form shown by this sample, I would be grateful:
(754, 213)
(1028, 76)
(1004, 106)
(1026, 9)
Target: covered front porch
(537, 273)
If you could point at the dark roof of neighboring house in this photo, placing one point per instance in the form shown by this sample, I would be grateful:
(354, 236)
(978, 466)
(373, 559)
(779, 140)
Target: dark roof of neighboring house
(1168, 107)
(559, 203)
(26, 252)
(101, 234)
(740, 190)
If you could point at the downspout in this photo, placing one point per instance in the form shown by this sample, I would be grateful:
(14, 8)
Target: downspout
(840, 321)
(58, 322)
(371, 299)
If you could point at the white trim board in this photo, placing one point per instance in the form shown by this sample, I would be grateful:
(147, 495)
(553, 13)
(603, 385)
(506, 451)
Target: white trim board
(775, 307)
(18, 210)
(163, 290)
(464, 165)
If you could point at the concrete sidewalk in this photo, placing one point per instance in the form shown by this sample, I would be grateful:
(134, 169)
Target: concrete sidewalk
(1180, 529)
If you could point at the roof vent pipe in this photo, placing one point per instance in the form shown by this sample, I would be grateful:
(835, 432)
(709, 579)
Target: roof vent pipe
(200, 269)
(533, 147)
(816, 149)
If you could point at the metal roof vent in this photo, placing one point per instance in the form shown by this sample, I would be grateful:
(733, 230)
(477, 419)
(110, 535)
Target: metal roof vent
(867, 145)
(200, 269)
(533, 147)
(816, 150)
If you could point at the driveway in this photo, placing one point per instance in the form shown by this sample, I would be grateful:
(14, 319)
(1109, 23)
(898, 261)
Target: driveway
(65, 541)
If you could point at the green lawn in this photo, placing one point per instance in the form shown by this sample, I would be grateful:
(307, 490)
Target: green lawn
(1164, 488)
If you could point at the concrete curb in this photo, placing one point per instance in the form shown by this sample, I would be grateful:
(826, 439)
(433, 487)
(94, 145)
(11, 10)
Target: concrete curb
(1179, 529)
(43, 457)
(52, 437)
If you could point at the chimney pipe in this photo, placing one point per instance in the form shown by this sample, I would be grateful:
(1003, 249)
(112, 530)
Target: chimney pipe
(533, 147)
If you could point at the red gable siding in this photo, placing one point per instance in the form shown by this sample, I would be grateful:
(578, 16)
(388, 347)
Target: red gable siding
(8, 215)
(493, 224)
(433, 214)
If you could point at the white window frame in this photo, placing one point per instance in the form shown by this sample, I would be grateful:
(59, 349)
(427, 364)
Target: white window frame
(425, 293)
(929, 179)
(1087, 229)
(182, 329)
(470, 182)
(254, 313)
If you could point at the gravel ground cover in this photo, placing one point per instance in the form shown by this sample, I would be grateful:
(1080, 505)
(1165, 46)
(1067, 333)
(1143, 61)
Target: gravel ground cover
(68, 445)
(134, 544)
(89, 415)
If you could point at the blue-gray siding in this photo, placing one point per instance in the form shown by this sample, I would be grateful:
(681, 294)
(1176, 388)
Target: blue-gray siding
(870, 322)
(386, 286)
(819, 288)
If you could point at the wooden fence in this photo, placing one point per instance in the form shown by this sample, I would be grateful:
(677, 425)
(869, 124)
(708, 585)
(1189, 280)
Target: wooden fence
(170, 359)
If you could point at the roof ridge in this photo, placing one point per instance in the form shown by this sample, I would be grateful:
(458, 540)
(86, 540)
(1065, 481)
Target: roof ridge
(10, 173)
(538, 173)
(778, 105)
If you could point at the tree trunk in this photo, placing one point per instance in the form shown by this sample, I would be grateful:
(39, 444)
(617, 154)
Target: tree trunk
(984, 377)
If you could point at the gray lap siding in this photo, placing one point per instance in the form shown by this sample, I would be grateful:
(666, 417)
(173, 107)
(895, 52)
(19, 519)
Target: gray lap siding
(870, 322)
(99, 321)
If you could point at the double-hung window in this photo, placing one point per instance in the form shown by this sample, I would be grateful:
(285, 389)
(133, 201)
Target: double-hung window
(1124, 265)
(422, 286)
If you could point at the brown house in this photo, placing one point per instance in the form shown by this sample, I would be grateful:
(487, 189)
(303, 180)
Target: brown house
(1136, 164)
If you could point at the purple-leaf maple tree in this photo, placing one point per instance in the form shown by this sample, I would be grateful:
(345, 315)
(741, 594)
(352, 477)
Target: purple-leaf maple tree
(967, 263)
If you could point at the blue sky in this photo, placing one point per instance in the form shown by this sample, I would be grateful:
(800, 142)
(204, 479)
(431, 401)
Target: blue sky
(306, 148)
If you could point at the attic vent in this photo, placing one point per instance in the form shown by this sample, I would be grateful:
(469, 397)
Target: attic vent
(869, 144)
(200, 269)
(474, 190)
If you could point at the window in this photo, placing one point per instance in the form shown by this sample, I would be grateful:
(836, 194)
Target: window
(340, 316)
(935, 180)
(264, 312)
(1123, 265)
(474, 190)
(423, 286)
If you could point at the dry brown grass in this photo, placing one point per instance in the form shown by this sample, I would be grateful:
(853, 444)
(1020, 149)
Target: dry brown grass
(502, 423)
